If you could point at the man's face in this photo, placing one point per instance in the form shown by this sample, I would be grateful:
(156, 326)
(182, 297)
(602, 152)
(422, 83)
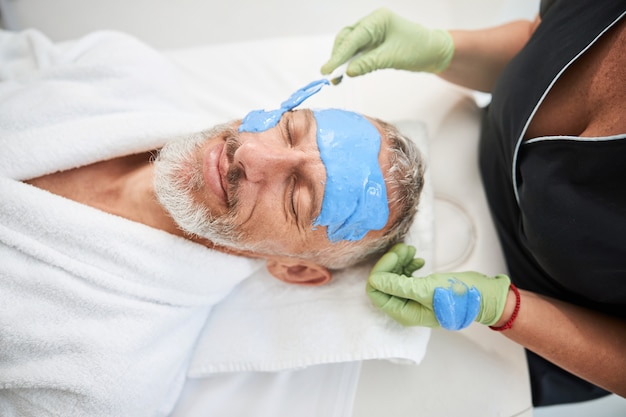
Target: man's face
(263, 190)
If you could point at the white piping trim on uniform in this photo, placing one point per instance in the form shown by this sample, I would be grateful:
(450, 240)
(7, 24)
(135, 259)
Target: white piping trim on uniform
(577, 138)
(521, 137)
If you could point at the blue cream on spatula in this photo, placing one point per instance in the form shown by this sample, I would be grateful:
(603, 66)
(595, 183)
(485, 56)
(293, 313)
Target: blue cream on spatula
(355, 196)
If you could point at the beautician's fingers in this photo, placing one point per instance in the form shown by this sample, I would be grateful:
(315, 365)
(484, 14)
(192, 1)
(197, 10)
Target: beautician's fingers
(342, 52)
(416, 263)
(404, 263)
(387, 263)
(404, 311)
(407, 263)
(405, 252)
(384, 39)
(418, 289)
(364, 35)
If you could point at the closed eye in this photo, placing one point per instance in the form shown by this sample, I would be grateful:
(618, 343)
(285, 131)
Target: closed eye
(292, 200)
(289, 129)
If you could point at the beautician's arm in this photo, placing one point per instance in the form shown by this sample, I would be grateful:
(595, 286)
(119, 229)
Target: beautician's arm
(470, 58)
(586, 343)
(480, 55)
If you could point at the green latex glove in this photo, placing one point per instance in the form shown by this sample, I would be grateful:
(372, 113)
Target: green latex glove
(450, 300)
(386, 40)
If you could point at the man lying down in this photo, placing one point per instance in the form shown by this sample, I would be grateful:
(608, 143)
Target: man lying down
(112, 259)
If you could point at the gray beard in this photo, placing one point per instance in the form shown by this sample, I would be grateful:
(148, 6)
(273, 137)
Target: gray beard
(176, 194)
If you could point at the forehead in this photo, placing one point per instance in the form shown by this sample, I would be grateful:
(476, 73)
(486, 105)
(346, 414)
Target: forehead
(307, 116)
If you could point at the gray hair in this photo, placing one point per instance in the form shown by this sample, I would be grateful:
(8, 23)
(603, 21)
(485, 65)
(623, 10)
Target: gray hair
(405, 181)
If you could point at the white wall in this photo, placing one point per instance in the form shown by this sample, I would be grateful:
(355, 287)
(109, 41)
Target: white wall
(176, 23)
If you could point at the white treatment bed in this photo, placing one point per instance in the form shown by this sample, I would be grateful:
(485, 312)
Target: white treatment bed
(475, 372)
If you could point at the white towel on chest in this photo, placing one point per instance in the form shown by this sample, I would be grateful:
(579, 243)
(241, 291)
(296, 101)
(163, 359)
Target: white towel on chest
(98, 315)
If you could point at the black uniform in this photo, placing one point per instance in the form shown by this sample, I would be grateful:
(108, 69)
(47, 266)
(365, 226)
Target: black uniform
(559, 203)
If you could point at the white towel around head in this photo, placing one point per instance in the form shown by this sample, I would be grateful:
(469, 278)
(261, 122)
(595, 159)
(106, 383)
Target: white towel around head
(267, 325)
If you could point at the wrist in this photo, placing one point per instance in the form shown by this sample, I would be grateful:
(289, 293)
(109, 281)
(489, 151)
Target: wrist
(510, 311)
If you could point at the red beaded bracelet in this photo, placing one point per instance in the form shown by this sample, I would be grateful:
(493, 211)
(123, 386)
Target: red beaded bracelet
(509, 323)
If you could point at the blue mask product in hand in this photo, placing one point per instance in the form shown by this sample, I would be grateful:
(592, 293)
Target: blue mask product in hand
(261, 120)
(355, 197)
(457, 306)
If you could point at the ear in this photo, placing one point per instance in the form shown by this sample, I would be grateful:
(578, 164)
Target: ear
(298, 271)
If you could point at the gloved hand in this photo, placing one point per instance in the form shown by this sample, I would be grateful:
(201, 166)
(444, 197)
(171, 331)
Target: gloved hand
(386, 40)
(450, 300)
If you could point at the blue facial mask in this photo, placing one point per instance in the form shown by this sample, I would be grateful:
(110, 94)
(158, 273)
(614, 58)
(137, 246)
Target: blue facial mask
(261, 120)
(355, 197)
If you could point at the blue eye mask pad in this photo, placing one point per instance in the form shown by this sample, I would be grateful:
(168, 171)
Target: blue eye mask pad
(355, 197)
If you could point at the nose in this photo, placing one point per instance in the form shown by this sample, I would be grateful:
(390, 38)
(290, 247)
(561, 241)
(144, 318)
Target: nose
(261, 160)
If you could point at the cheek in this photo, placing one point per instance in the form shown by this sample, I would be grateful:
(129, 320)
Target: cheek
(261, 221)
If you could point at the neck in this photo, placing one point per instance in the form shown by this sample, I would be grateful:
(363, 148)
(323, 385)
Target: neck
(138, 201)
